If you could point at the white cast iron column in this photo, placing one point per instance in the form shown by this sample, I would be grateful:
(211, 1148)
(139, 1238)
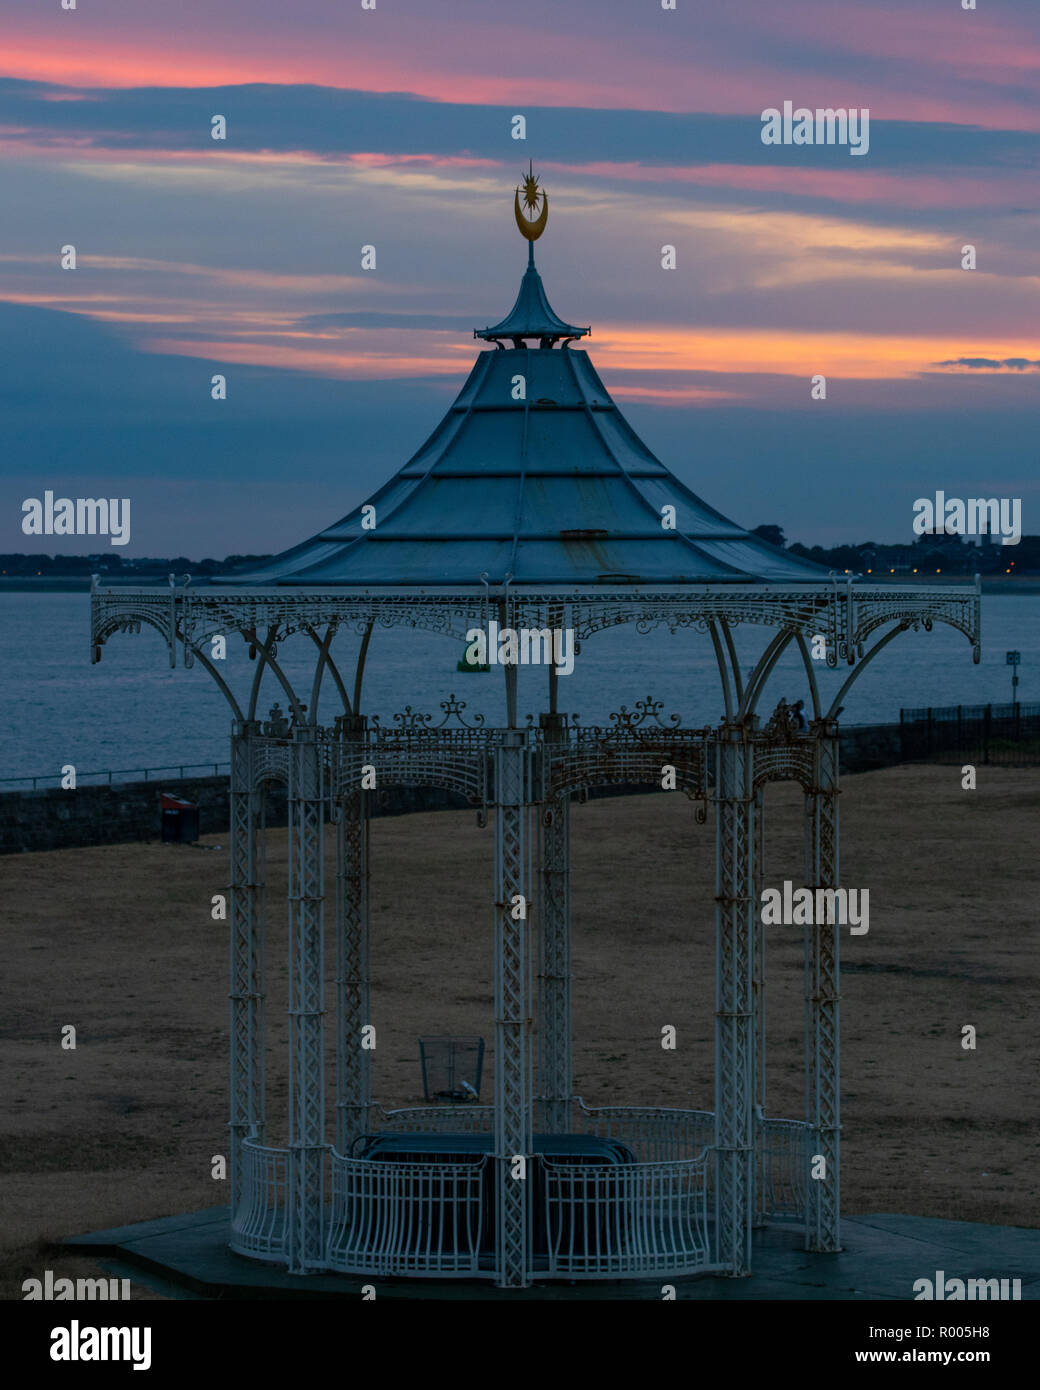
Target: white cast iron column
(512, 1009)
(823, 1059)
(758, 1020)
(246, 984)
(735, 921)
(306, 1004)
(353, 1073)
(554, 1015)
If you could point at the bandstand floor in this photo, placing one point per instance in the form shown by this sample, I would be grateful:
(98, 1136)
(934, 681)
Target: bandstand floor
(187, 1256)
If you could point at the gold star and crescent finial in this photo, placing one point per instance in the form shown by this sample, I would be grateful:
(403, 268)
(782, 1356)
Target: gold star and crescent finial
(530, 226)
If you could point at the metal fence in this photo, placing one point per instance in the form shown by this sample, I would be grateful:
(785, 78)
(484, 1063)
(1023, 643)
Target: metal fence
(439, 1119)
(782, 1169)
(406, 1218)
(1000, 735)
(653, 1133)
(606, 1221)
(590, 1220)
(259, 1226)
(118, 775)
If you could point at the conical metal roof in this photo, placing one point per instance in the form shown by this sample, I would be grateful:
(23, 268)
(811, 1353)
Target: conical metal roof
(533, 476)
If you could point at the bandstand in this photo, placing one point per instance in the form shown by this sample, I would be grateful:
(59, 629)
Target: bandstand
(533, 505)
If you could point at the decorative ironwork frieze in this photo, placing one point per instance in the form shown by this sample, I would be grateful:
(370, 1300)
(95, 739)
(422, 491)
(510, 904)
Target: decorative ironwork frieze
(846, 613)
(634, 748)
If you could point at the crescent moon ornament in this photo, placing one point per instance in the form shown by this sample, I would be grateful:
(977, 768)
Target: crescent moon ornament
(531, 228)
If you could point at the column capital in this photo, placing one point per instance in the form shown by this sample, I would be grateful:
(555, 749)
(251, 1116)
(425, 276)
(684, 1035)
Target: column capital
(737, 730)
(823, 728)
(554, 727)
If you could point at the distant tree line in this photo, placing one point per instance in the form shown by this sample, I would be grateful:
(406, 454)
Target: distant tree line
(60, 566)
(926, 555)
(929, 553)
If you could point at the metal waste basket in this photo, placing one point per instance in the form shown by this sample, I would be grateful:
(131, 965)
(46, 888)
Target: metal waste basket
(452, 1068)
(180, 819)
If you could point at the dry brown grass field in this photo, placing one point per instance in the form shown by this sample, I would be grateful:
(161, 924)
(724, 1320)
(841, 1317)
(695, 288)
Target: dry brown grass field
(119, 941)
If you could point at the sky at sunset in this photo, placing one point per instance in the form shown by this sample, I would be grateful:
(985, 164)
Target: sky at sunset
(392, 127)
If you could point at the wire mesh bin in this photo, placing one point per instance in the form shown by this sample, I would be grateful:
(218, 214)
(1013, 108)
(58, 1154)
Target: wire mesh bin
(452, 1068)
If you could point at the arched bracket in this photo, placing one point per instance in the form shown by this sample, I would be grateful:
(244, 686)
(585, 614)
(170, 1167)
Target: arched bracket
(254, 691)
(325, 661)
(738, 679)
(721, 660)
(857, 671)
(225, 689)
(359, 672)
(266, 651)
(810, 673)
(763, 670)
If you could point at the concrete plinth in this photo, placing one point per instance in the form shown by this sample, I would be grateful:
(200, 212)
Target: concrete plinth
(883, 1255)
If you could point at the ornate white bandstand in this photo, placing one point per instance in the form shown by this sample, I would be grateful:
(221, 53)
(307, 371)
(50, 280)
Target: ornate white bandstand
(543, 510)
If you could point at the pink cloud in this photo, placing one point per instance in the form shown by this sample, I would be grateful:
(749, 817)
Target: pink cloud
(731, 61)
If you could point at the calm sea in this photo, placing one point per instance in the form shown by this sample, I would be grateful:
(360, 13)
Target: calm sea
(131, 711)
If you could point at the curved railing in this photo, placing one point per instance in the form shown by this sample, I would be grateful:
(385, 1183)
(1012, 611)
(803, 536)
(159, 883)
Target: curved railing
(439, 1119)
(259, 1223)
(653, 1133)
(783, 1169)
(406, 1218)
(652, 1214)
(605, 1221)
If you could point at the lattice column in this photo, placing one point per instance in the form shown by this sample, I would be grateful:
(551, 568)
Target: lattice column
(556, 1081)
(246, 982)
(306, 1003)
(735, 916)
(512, 1009)
(758, 1003)
(353, 1073)
(823, 1056)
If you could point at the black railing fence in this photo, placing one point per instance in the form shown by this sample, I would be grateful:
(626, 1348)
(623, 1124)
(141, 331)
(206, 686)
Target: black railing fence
(1004, 735)
(114, 776)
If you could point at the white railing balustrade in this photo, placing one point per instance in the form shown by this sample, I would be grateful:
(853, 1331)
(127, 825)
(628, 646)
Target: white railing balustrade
(259, 1224)
(407, 1218)
(439, 1119)
(605, 1220)
(783, 1168)
(653, 1133)
(433, 1217)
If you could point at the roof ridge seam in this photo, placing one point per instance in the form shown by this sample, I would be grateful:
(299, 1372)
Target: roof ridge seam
(518, 515)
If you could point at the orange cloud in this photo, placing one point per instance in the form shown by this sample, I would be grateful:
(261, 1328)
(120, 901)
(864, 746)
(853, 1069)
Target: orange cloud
(839, 355)
(673, 395)
(649, 349)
